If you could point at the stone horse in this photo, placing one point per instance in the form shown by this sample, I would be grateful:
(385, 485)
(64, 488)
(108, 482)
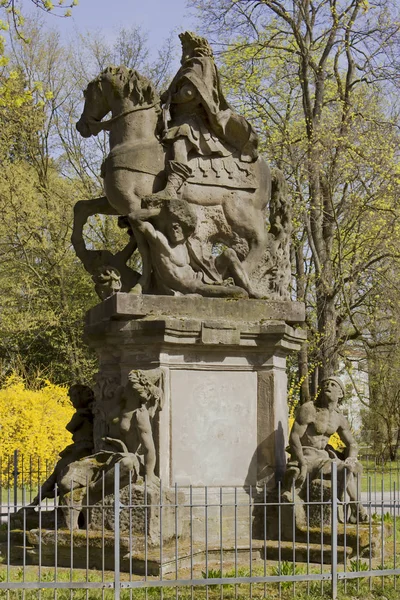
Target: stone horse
(135, 166)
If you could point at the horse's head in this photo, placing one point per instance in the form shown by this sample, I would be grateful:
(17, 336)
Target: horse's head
(96, 107)
(116, 89)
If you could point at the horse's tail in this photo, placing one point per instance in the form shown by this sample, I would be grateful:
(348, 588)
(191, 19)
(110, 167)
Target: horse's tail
(280, 209)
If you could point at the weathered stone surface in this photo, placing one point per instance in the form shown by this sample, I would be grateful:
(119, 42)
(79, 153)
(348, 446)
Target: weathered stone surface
(138, 559)
(132, 306)
(140, 515)
(286, 522)
(214, 425)
(224, 418)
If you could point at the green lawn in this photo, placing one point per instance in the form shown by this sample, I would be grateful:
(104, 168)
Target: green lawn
(363, 589)
(374, 479)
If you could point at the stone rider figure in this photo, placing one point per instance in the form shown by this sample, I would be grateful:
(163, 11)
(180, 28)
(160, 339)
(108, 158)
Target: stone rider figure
(197, 118)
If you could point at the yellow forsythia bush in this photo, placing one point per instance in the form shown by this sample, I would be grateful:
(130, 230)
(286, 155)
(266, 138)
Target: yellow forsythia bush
(33, 422)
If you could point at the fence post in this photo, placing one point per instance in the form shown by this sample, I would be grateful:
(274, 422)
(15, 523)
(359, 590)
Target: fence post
(15, 476)
(117, 509)
(334, 529)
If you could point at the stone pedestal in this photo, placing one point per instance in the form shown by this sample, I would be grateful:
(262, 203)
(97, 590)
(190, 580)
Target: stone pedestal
(224, 418)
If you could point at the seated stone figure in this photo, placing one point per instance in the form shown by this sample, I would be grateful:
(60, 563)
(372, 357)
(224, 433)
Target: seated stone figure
(312, 455)
(81, 427)
(83, 476)
(85, 482)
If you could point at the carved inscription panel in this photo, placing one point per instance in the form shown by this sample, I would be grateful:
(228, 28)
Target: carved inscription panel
(213, 427)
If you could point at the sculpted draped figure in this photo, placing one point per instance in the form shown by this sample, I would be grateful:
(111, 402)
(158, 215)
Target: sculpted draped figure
(187, 146)
(197, 117)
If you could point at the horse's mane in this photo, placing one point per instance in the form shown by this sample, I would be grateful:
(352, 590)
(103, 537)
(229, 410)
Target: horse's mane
(133, 84)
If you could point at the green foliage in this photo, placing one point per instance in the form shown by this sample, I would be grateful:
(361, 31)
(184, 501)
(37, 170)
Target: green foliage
(358, 565)
(41, 280)
(328, 120)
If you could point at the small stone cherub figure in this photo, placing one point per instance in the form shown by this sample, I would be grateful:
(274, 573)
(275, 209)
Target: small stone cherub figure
(311, 454)
(138, 403)
(81, 427)
(177, 269)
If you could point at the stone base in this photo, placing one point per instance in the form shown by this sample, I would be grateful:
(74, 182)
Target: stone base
(136, 560)
(286, 522)
(145, 514)
(224, 419)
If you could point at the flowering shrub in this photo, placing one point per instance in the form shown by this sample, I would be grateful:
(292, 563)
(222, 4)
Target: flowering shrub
(33, 421)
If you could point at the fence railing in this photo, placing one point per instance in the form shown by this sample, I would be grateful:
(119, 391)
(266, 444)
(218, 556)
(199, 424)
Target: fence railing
(190, 541)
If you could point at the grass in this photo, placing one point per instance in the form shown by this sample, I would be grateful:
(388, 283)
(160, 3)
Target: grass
(386, 478)
(355, 590)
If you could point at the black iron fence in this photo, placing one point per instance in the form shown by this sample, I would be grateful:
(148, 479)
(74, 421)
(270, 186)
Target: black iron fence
(150, 540)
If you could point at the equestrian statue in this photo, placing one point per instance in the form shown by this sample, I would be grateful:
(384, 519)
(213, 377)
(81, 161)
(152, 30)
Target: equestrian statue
(185, 178)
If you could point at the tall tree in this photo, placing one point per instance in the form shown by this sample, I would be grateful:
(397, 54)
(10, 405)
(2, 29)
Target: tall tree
(46, 169)
(316, 76)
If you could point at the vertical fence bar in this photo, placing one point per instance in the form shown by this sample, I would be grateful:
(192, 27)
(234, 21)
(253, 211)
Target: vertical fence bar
(30, 479)
(130, 532)
(334, 529)
(346, 507)
(103, 557)
(176, 540)
(87, 513)
(357, 508)
(370, 528)
(280, 537)
(40, 536)
(191, 538)
(117, 509)
(250, 541)
(146, 541)
(236, 541)
(71, 564)
(8, 536)
(294, 538)
(382, 529)
(265, 537)
(221, 549)
(55, 536)
(15, 476)
(161, 538)
(394, 533)
(23, 539)
(308, 529)
(206, 534)
(322, 530)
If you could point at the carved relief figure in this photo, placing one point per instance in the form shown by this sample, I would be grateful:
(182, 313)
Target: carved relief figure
(110, 272)
(131, 422)
(311, 454)
(81, 427)
(82, 473)
(179, 267)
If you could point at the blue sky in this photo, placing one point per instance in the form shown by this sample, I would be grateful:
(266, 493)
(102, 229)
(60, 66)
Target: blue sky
(157, 17)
